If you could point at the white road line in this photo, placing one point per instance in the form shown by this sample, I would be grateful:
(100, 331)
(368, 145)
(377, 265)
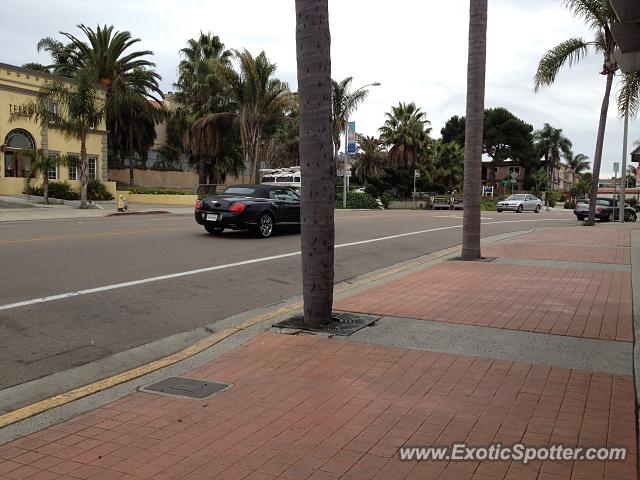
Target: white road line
(115, 286)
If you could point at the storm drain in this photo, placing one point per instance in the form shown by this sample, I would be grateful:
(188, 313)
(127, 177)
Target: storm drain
(342, 323)
(186, 387)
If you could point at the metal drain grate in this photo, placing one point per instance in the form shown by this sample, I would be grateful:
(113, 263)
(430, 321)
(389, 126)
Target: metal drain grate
(342, 323)
(186, 387)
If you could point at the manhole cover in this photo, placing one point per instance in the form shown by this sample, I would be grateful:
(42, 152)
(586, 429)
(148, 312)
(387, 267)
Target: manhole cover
(186, 387)
(342, 323)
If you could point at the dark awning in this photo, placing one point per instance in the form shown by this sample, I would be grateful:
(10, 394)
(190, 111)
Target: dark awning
(627, 34)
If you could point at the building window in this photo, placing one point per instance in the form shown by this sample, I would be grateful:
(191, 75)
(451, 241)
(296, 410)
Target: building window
(16, 165)
(93, 164)
(515, 170)
(53, 171)
(73, 168)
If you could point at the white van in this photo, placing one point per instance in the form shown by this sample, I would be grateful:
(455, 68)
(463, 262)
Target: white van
(283, 177)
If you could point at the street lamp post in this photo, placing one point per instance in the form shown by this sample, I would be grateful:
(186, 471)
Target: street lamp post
(346, 145)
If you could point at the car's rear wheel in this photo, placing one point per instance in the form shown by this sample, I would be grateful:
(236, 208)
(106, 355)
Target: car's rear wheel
(519, 209)
(632, 217)
(499, 211)
(537, 210)
(265, 225)
(212, 229)
(611, 217)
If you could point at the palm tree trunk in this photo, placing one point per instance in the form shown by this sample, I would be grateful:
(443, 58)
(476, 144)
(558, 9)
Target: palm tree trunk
(313, 41)
(597, 158)
(45, 187)
(202, 170)
(83, 167)
(476, 71)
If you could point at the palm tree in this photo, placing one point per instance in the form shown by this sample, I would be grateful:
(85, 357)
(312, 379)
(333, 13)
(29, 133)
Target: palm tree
(42, 164)
(260, 99)
(343, 104)
(313, 45)
(552, 146)
(445, 164)
(476, 70)
(598, 15)
(406, 131)
(370, 158)
(579, 163)
(128, 77)
(38, 67)
(79, 109)
(202, 94)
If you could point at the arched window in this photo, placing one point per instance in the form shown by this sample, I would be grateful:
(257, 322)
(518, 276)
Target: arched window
(17, 166)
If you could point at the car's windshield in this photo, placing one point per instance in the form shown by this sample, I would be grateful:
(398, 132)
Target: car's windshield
(250, 192)
(602, 201)
(515, 197)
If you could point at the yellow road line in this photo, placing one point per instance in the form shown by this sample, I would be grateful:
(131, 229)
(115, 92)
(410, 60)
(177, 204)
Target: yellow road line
(101, 385)
(91, 235)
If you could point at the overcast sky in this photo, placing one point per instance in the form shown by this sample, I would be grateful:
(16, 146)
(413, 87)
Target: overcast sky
(417, 49)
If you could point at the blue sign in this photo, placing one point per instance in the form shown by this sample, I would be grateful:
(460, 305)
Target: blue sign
(351, 138)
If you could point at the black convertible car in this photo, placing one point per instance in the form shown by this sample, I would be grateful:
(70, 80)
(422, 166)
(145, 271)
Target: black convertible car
(249, 207)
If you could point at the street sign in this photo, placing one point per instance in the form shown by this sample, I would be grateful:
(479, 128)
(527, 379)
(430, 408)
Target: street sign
(616, 167)
(416, 173)
(351, 138)
(341, 173)
(514, 175)
(487, 190)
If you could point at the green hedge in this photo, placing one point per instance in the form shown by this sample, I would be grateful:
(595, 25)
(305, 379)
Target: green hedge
(159, 191)
(358, 200)
(96, 190)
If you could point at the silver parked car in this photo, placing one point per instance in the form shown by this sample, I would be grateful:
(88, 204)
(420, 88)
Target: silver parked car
(519, 203)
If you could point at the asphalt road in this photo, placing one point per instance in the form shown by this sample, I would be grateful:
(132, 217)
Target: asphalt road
(62, 257)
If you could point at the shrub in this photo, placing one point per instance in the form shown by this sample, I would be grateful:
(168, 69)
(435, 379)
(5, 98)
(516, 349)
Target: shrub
(553, 196)
(59, 190)
(158, 191)
(488, 204)
(358, 200)
(96, 190)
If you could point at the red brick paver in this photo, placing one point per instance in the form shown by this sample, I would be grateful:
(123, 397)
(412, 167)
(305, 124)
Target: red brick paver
(306, 407)
(604, 244)
(579, 303)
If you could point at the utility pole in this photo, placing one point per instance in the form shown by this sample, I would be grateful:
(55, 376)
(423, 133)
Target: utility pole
(623, 174)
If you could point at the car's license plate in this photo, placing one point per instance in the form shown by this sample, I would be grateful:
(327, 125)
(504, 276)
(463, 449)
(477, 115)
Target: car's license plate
(212, 217)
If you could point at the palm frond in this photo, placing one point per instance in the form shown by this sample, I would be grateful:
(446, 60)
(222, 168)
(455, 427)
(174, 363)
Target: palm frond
(568, 52)
(629, 95)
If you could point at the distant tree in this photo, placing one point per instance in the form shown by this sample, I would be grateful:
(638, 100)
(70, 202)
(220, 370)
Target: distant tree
(551, 146)
(370, 157)
(599, 16)
(444, 164)
(343, 104)
(406, 133)
(38, 67)
(507, 137)
(453, 130)
(579, 163)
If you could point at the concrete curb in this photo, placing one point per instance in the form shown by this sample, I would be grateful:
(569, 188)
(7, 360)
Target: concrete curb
(635, 288)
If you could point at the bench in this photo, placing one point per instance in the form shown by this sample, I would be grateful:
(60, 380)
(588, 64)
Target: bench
(441, 201)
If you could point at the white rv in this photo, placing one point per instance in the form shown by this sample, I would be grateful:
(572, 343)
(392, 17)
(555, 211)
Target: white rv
(285, 177)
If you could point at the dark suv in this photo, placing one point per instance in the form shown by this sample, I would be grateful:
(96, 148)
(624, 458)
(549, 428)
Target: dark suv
(607, 210)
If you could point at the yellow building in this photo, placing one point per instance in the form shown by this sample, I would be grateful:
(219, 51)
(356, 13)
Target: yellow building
(19, 86)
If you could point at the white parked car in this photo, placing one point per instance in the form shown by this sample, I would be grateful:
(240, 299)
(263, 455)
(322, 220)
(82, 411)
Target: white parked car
(519, 203)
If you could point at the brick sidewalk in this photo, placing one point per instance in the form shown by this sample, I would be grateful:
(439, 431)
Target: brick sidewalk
(308, 407)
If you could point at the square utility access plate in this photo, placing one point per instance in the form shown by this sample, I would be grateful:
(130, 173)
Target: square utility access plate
(186, 388)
